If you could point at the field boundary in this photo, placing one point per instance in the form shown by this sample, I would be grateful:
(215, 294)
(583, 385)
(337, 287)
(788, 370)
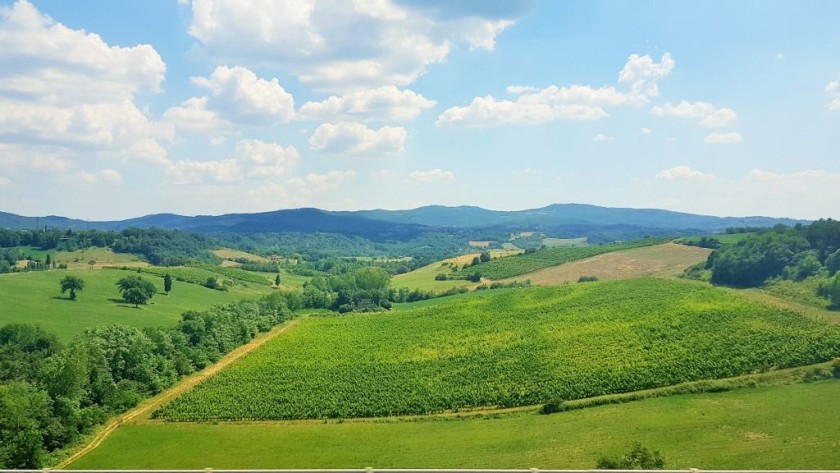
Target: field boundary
(145, 408)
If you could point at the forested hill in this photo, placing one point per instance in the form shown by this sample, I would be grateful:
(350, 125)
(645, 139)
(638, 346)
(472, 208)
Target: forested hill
(381, 225)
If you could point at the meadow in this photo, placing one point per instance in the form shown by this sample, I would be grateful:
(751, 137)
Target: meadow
(508, 348)
(518, 265)
(769, 427)
(34, 297)
(424, 278)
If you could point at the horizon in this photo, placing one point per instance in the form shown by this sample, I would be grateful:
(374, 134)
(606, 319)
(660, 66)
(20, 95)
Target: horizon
(211, 107)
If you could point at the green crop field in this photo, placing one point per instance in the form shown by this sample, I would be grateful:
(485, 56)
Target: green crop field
(564, 242)
(776, 427)
(508, 348)
(35, 297)
(518, 265)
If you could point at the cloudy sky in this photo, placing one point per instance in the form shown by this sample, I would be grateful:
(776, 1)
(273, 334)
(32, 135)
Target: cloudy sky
(115, 109)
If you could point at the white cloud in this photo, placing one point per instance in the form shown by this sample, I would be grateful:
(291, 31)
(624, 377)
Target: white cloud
(70, 89)
(383, 103)
(111, 176)
(642, 73)
(107, 176)
(723, 138)
(432, 175)
(5, 182)
(237, 97)
(602, 138)
(197, 172)
(707, 114)
(573, 102)
(314, 183)
(265, 159)
(349, 138)
(682, 173)
(833, 91)
(645, 131)
(337, 45)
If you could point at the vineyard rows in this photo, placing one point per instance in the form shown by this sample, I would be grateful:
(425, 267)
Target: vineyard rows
(508, 348)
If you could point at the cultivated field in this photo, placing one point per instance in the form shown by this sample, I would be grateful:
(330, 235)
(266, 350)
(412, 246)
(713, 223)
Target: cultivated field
(87, 258)
(229, 254)
(34, 297)
(508, 348)
(669, 259)
(424, 278)
(777, 427)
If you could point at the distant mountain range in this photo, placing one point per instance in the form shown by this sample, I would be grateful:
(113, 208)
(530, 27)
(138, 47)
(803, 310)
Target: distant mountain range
(382, 225)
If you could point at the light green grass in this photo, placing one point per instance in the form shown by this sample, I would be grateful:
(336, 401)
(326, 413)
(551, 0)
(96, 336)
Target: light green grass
(35, 297)
(508, 348)
(777, 427)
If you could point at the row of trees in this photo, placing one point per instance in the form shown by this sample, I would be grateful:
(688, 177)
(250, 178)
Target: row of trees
(134, 289)
(50, 394)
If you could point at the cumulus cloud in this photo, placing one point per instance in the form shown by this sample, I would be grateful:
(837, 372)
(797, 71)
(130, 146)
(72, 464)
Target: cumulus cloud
(432, 175)
(313, 183)
(705, 113)
(382, 103)
(338, 45)
(642, 73)
(68, 88)
(682, 173)
(356, 139)
(237, 97)
(833, 91)
(602, 138)
(574, 102)
(265, 159)
(645, 131)
(723, 138)
(197, 172)
(107, 176)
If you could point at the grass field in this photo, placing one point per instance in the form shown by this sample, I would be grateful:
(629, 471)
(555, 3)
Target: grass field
(229, 254)
(80, 259)
(424, 278)
(669, 259)
(509, 348)
(778, 427)
(34, 297)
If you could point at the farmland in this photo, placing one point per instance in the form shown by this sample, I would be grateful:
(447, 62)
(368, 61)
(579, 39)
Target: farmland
(34, 297)
(529, 262)
(773, 427)
(424, 278)
(506, 349)
(668, 259)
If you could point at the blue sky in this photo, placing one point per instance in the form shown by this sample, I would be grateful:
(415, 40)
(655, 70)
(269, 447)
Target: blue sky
(112, 110)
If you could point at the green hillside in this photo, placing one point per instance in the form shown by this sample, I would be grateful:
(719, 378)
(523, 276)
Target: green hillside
(509, 348)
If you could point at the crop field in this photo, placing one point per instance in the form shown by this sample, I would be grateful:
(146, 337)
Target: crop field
(34, 297)
(669, 259)
(424, 278)
(775, 427)
(564, 242)
(229, 254)
(508, 348)
(529, 262)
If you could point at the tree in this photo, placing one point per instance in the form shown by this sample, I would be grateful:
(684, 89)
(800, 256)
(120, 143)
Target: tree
(834, 290)
(167, 283)
(484, 257)
(136, 296)
(48, 262)
(638, 458)
(136, 290)
(72, 284)
(277, 280)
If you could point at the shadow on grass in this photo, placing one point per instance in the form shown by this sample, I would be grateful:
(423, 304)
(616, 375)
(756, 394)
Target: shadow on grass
(63, 298)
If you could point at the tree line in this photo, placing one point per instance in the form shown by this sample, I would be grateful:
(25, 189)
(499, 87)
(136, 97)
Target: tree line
(51, 394)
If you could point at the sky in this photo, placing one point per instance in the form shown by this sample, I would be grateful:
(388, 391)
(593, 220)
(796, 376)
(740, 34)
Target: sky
(111, 110)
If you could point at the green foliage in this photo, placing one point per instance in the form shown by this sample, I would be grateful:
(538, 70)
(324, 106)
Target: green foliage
(832, 263)
(833, 290)
(554, 406)
(501, 349)
(512, 266)
(637, 458)
(72, 284)
(167, 283)
(753, 260)
(587, 278)
(277, 280)
(136, 290)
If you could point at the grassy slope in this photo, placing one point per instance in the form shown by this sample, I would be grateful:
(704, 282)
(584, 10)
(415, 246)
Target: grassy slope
(424, 278)
(34, 297)
(507, 348)
(80, 259)
(778, 427)
(664, 260)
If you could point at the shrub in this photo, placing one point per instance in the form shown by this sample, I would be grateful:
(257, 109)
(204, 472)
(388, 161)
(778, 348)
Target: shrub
(638, 458)
(587, 278)
(555, 405)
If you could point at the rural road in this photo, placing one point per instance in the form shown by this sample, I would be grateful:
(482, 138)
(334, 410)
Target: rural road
(148, 406)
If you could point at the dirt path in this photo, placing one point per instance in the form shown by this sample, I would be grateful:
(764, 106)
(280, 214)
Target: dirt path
(145, 409)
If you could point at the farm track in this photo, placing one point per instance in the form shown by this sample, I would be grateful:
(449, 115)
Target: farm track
(143, 411)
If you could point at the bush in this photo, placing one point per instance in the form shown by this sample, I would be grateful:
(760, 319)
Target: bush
(441, 277)
(836, 368)
(638, 458)
(587, 278)
(555, 405)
